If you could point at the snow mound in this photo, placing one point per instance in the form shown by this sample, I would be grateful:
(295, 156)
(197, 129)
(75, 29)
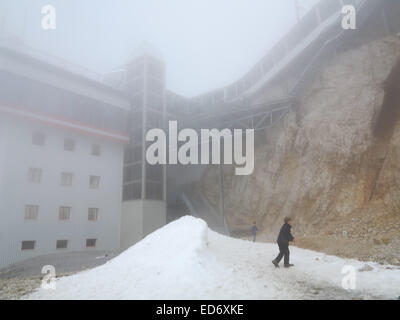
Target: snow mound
(168, 257)
(186, 260)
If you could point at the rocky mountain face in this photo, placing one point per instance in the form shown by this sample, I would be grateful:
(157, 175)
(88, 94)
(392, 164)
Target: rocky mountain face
(332, 163)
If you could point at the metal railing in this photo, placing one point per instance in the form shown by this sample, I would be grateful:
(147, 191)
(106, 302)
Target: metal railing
(268, 106)
(313, 63)
(250, 83)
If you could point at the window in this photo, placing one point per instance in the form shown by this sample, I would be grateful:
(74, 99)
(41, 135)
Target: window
(28, 245)
(132, 172)
(93, 214)
(31, 212)
(96, 150)
(132, 191)
(154, 172)
(62, 244)
(133, 154)
(64, 213)
(66, 179)
(94, 182)
(38, 138)
(69, 145)
(91, 243)
(35, 175)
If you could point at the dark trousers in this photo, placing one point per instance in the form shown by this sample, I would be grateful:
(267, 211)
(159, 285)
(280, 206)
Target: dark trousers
(254, 237)
(283, 252)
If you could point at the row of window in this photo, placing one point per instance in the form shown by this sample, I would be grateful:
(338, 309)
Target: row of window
(35, 176)
(39, 138)
(60, 244)
(64, 213)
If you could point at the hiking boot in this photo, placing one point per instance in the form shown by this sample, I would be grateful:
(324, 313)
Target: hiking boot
(289, 265)
(275, 264)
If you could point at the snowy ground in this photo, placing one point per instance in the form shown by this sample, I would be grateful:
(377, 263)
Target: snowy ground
(186, 260)
(25, 276)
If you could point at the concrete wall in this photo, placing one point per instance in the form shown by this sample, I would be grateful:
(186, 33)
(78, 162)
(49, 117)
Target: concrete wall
(140, 218)
(131, 223)
(154, 215)
(18, 153)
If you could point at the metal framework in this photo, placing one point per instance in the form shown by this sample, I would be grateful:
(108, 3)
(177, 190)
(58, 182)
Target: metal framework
(264, 115)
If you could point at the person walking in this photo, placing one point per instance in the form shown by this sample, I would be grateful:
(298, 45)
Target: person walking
(284, 238)
(254, 231)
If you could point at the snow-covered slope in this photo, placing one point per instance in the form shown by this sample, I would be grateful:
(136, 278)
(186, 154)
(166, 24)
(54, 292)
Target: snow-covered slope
(186, 260)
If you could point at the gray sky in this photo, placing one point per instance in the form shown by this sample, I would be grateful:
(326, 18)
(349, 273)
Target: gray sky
(206, 44)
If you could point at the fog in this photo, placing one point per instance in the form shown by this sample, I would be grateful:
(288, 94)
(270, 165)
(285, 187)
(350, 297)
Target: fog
(206, 44)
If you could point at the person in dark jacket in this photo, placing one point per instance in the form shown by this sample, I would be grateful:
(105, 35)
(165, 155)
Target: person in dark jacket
(254, 231)
(283, 243)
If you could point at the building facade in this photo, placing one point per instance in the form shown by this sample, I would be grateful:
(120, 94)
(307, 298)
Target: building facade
(144, 185)
(61, 160)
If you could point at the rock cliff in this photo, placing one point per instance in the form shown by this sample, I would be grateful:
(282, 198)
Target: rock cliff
(332, 163)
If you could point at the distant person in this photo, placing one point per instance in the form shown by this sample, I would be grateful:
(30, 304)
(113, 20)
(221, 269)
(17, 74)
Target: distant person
(283, 243)
(254, 231)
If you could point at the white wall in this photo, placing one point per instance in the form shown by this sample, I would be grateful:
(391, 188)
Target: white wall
(17, 191)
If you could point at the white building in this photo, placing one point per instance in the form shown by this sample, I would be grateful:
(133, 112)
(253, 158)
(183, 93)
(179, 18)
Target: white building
(61, 160)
